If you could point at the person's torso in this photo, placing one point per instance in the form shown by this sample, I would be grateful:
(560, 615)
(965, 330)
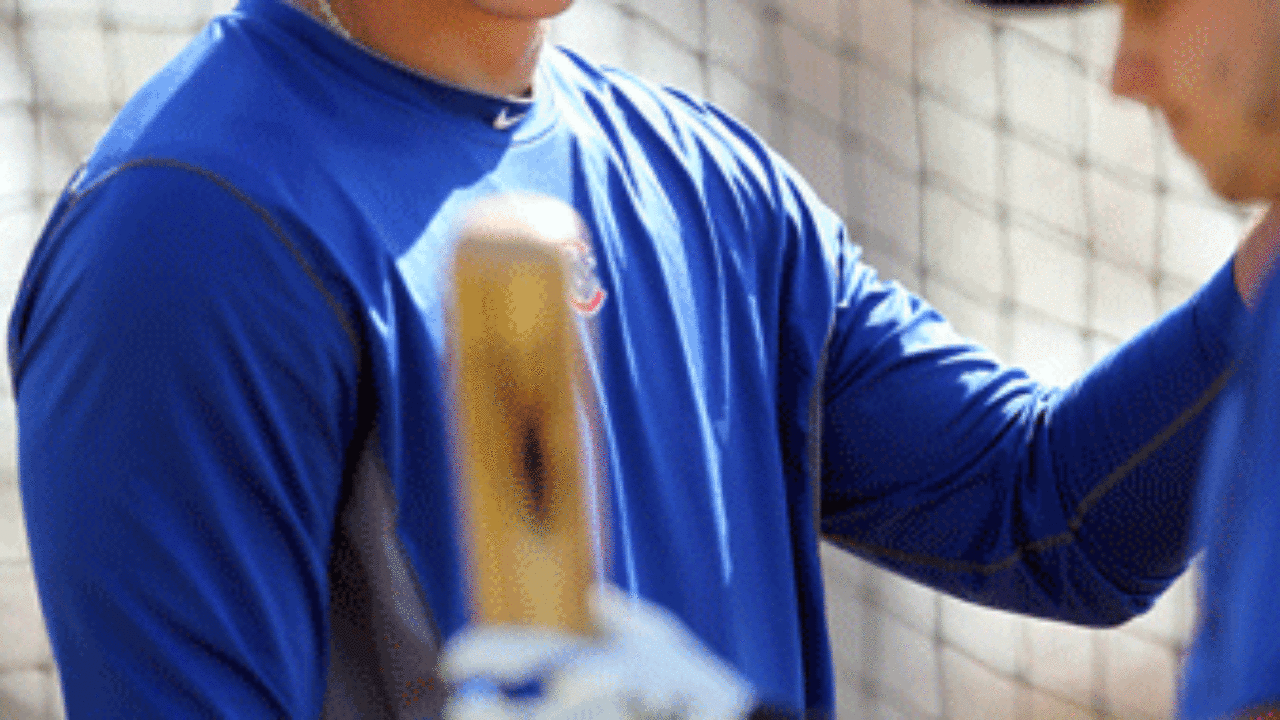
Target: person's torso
(704, 362)
(1234, 657)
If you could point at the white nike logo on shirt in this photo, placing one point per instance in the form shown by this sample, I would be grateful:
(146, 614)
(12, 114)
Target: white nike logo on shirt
(504, 121)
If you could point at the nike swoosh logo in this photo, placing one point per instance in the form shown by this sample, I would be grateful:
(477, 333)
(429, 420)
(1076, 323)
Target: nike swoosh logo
(504, 121)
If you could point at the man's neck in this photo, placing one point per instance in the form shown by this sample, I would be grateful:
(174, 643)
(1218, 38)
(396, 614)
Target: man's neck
(450, 40)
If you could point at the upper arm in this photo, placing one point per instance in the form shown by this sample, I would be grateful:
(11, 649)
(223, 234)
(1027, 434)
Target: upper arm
(185, 396)
(911, 410)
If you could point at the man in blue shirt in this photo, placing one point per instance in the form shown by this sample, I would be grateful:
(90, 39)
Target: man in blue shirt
(1212, 67)
(227, 352)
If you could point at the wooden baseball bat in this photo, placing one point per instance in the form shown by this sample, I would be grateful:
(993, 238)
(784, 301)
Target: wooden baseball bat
(518, 365)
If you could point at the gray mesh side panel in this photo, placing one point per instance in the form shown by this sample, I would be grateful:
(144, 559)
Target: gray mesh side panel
(383, 642)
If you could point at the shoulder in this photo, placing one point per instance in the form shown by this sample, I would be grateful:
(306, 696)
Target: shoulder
(1261, 355)
(1257, 339)
(1267, 316)
(164, 253)
(657, 117)
(206, 162)
(222, 103)
(634, 115)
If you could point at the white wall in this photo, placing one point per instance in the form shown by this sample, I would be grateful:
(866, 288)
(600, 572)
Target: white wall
(979, 161)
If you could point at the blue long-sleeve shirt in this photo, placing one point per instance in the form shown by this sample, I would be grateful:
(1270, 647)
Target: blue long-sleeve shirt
(1233, 665)
(227, 358)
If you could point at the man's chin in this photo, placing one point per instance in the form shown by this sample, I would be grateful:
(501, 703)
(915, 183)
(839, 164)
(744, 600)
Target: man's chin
(1233, 175)
(1223, 174)
(524, 9)
(1236, 185)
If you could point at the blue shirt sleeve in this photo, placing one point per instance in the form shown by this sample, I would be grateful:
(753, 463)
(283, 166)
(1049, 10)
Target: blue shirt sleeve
(1234, 662)
(186, 392)
(943, 464)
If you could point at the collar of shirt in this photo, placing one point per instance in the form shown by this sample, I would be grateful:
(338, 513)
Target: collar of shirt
(503, 118)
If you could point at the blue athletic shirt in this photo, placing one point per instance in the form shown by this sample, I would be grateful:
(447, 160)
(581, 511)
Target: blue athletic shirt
(227, 358)
(1233, 667)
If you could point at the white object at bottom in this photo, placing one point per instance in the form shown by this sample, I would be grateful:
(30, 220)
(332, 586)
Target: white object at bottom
(645, 666)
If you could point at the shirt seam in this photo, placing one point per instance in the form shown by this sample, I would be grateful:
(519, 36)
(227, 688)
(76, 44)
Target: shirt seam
(815, 427)
(348, 327)
(1065, 537)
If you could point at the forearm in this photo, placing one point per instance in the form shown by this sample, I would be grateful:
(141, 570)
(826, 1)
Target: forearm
(1128, 438)
(947, 466)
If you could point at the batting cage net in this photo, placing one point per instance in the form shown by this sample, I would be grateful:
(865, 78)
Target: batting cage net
(978, 159)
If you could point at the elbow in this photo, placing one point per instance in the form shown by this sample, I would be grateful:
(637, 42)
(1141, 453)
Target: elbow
(1106, 613)
(1109, 619)
(1106, 604)
(1098, 595)
(1113, 587)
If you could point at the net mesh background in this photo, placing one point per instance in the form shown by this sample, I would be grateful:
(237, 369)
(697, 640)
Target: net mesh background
(979, 159)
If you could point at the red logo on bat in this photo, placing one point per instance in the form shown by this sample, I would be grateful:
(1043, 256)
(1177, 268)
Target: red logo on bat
(586, 294)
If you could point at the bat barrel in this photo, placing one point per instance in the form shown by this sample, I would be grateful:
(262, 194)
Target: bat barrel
(517, 358)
